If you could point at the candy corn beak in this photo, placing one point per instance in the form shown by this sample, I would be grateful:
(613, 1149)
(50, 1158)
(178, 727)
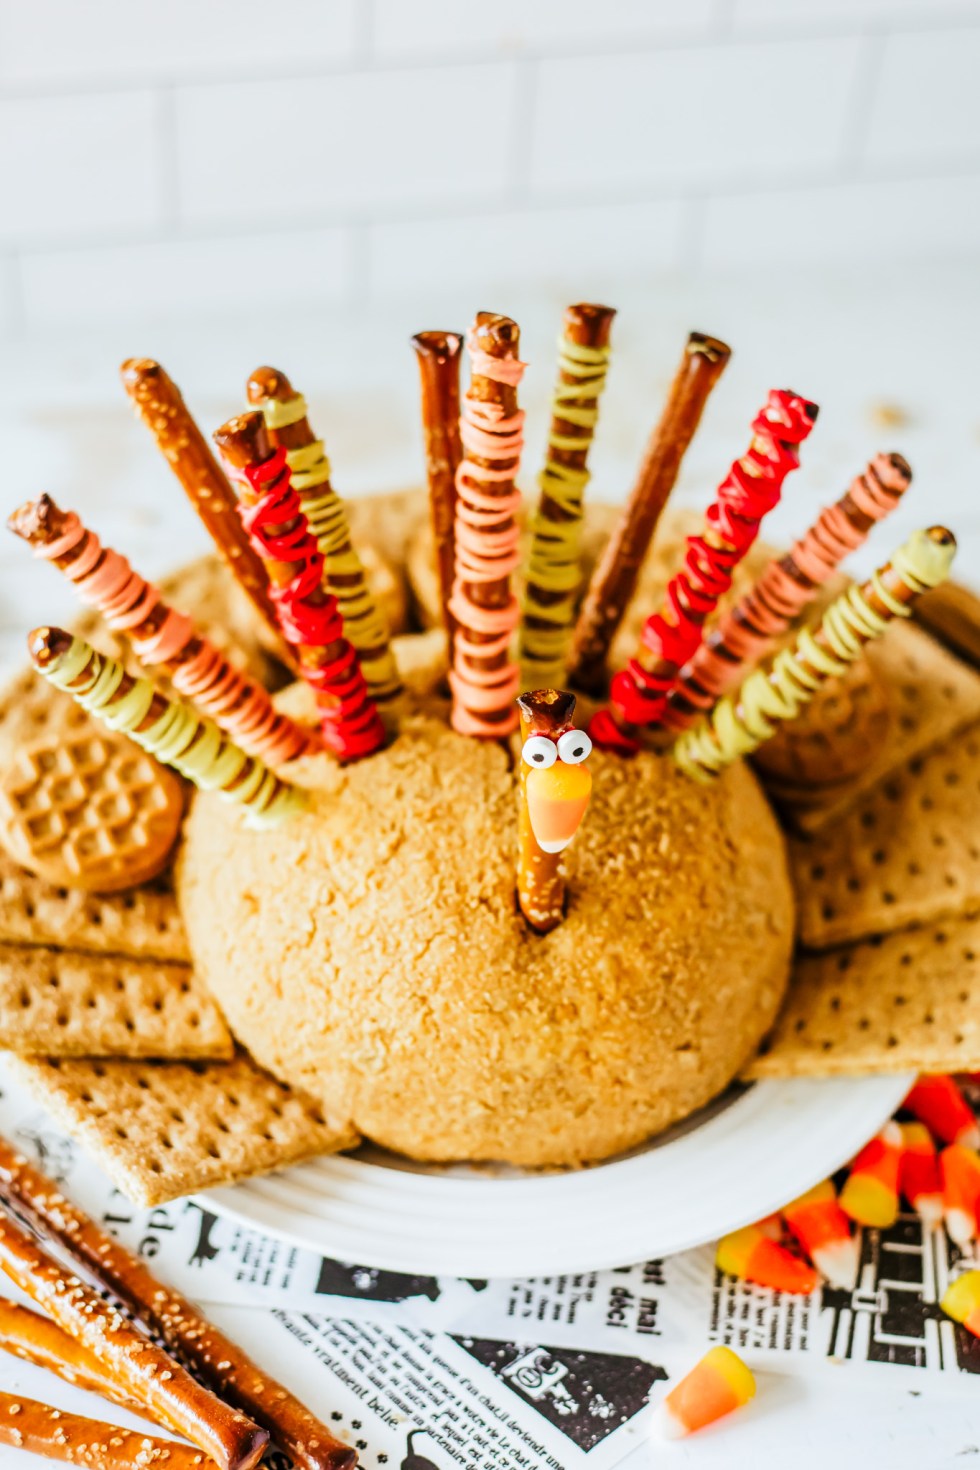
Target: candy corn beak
(556, 802)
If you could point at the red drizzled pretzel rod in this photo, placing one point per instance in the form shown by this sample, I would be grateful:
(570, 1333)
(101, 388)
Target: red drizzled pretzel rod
(308, 615)
(163, 638)
(747, 633)
(57, 1435)
(438, 356)
(672, 635)
(143, 1371)
(483, 679)
(158, 401)
(614, 579)
(36, 1339)
(365, 628)
(193, 1340)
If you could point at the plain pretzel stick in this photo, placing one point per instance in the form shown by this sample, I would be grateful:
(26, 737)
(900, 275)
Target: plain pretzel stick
(158, 401)
(27, 1425)
(36, 1339)
(438, 356)
(142, 1370)
(614, 579)
(190, 1337)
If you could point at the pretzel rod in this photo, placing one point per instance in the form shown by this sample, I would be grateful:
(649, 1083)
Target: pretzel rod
(143, 1371)
(438, 356)
(672, 634)
(167, 729)
(343, 573)
(158, 401)
(212, 1356)
(483, 679)
(614, 580)
(308, 615)
(740, 723)
(26, 1334)
(161, 637)
(554, 572)
(747, 632)
(57, 1435)
(554, 794)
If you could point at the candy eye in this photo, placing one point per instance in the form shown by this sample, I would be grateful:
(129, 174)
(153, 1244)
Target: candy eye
(539, 751)
(574, 747)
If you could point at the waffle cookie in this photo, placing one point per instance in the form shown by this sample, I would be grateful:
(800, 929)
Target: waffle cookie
(88, 810)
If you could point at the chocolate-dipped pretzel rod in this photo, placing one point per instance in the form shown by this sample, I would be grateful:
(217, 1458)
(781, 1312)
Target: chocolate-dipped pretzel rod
(26, 1334)
(143, 1371)
(741, 722)
(308, 615)
(748, 631)
(212, 1356)
(614, 579)
(161, 637)
(284, 411)
(57, 1435)
(672, 634)
(438, 357)
(554, 572)
(483, 678)
(169, 730)
(554, 792)
(158, 402)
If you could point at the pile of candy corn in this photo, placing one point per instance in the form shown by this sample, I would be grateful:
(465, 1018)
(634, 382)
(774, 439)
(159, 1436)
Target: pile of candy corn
(930, 1157)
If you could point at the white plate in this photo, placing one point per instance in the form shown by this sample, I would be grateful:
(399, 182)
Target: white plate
(751, 1152)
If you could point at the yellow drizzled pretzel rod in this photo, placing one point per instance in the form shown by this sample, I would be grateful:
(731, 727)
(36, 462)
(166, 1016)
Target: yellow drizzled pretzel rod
(172, 732)
(554, 572)
(284, 411)
(742, 722)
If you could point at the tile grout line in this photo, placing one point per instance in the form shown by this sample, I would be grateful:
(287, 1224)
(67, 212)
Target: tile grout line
(860, 107)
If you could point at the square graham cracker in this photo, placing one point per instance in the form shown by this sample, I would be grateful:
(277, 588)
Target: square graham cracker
(933, 694)
(909, 1001)
(165, 1129)
(61, 1003)
(143, 923)
(907, 853)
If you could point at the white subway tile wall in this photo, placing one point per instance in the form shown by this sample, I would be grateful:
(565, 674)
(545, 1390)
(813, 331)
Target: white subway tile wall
(158, 160)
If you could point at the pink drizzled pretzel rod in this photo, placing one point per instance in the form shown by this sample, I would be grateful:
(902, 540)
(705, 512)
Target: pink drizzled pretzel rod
(162, 638)
(747, 633)
(484, 679)
(672, 635)
(308, 615)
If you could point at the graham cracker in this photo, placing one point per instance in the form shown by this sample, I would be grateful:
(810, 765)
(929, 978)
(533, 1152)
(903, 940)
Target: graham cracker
(907, 853)
(143, 923)
(164, 1129)
(908, 1002)
(932, 693)
(59, 1003)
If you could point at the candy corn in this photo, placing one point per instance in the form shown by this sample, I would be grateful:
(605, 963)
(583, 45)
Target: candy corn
(714, 1387)
(824, 1232)
(918, 1173)
(751, 1255)
(959, 1170)
(939, 1103)
(870, 1195)
(961, 1302)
